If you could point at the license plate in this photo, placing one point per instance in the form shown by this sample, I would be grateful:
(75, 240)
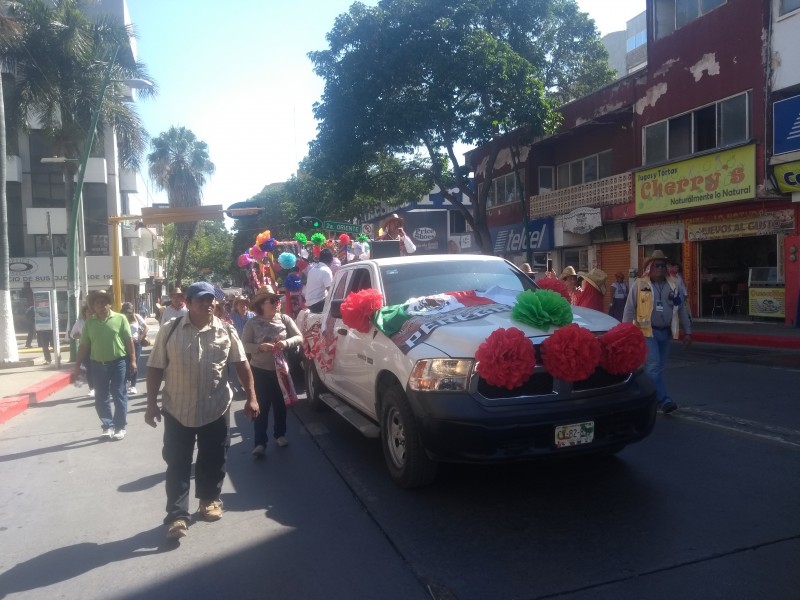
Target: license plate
(575, 434)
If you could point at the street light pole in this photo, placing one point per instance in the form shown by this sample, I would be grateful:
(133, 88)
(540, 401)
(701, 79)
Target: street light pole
(77, 210)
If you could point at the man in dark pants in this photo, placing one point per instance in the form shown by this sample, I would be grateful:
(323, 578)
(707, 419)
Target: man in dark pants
(191, 355)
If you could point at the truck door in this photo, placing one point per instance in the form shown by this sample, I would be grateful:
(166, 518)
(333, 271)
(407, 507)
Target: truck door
(352, 375)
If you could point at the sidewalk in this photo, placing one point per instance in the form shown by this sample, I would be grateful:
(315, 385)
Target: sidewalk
(32, 380)
(30, 383)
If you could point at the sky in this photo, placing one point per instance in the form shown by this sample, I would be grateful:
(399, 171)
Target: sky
(237, 74)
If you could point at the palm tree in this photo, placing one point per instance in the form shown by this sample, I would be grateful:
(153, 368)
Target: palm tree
(179, 164)
(9, 30)
(59, 66)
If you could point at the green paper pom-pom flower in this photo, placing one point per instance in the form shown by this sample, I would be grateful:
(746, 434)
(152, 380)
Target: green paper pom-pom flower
(301, 237)
(318, 239)
(542, 309)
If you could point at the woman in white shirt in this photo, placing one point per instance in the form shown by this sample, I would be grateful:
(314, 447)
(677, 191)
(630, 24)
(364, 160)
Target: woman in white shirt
(138, 333)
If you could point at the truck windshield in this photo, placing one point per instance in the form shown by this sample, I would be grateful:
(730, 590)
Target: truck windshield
(404, 281)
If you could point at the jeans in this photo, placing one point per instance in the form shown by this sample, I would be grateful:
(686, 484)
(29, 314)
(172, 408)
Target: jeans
(45, 341)
(268, 394)
(657, 355)
(109, 386)
(209, 470)
(131, 375)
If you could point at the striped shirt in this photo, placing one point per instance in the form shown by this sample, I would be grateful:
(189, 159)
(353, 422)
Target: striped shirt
(196, 390)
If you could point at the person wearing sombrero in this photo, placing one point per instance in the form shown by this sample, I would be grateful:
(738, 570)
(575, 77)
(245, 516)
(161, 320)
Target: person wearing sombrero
(106, 341)
(593, 289)
(570, 277)
(393, 230)
(655, 305)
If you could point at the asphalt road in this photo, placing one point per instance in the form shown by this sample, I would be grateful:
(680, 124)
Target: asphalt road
(706, 507)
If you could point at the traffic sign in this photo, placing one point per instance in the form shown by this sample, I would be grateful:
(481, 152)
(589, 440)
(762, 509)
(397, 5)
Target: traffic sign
(341, 227)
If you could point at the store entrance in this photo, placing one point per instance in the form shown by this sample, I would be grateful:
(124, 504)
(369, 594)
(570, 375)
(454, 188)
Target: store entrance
(724, 266)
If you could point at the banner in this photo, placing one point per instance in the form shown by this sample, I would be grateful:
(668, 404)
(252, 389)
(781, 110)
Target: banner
(746, 225)
(787, 176)
(711, 179)
(767, 302)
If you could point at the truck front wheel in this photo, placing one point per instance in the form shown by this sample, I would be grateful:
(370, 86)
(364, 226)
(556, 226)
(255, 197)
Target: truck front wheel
(408, 465)
(314, 386)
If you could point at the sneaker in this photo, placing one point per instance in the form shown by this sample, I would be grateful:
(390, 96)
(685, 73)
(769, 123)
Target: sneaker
(108, 433)
(259, 451)
(210, 510)
(669, 407)
(177, 530)
(90, 393)
(119, 435)
(282, 442)
(132, 390)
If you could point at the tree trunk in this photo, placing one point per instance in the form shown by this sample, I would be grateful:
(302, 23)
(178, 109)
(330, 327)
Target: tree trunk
(8, 337)
(182, 261)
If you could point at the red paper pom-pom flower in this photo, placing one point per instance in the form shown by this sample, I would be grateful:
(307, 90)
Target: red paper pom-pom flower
(344, 240)
(571, 353)
(623, 349)
(506, 359)
(358, 308)
(555, 285)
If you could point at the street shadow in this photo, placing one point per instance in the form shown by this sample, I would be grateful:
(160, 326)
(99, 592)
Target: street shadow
(143, 483)
(73, 445)
(63, 564)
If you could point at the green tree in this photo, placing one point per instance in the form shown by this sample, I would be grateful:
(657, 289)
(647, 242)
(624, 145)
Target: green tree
(425, 75)
(59, 63)
(208, 256)
(9, 30)
(179, 163)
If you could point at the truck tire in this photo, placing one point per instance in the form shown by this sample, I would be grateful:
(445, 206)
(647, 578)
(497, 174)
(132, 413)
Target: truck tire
(314, 386)
(409, 466)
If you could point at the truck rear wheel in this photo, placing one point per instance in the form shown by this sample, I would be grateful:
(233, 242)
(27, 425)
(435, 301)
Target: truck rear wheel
(405, 457)
(314, 386)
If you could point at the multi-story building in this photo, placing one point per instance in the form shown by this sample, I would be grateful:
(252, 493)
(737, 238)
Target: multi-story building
(679, 156)
(36, 211)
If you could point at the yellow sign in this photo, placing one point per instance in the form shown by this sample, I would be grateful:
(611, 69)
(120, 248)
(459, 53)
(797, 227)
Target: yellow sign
(767, 302)
(747, 225)
(787, 176)
(712, 179)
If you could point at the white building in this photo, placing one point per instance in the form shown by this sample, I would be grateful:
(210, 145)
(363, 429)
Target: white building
(36, 196)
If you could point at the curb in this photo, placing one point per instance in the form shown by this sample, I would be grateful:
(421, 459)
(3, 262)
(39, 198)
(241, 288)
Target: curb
(737, 339)
(10, 406)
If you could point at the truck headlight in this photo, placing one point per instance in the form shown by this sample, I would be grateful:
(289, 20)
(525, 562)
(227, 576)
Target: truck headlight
(441, 375)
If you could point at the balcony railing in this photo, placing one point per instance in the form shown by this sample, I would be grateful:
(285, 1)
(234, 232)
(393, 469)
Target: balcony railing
(617, 189)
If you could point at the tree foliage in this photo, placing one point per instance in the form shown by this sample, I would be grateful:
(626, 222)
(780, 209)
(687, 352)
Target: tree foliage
(426, 75)
(208, 255)
(179, 163)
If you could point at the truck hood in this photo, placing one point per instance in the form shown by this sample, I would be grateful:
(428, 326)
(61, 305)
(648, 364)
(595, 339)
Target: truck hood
(463, 339)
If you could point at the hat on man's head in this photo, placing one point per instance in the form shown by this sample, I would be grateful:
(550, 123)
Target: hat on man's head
(568, 272)
(390, 218)
(176, 291)
(656, 255)
(241, 300)
(197, 290)
(264, 293)
(596, 278)
(95, 294)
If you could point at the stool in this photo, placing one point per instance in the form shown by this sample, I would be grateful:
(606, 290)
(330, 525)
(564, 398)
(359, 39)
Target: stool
(719, 300)
(740, 299)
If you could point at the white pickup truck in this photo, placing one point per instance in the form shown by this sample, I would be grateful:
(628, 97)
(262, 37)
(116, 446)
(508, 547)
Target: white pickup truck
(419, 390)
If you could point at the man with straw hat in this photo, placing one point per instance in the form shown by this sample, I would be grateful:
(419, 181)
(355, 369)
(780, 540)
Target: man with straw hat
(655, 305)
(570, 277)
(593, 289)
(393, 230)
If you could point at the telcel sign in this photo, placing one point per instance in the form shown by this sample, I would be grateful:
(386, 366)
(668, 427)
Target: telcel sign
(787, 176)
(514, 239)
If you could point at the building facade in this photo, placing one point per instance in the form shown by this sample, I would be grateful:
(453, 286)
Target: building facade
(679, 156)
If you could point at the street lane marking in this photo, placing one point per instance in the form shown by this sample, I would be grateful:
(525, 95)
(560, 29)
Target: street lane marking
(781, 435)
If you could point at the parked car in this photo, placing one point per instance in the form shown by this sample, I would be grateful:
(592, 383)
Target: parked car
(420, 390)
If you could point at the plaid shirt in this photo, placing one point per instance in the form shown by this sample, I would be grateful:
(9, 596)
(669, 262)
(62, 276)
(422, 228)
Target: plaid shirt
(196, 390)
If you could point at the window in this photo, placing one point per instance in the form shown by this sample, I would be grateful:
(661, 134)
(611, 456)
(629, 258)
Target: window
(41, 244)
(504, 190)
(584, 170)
(674, 14)
(788, 6)
(458, 224)
(633, 42)
(717, 125)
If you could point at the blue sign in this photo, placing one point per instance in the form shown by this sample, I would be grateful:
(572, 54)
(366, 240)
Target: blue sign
(513, 239)
(786, 125)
